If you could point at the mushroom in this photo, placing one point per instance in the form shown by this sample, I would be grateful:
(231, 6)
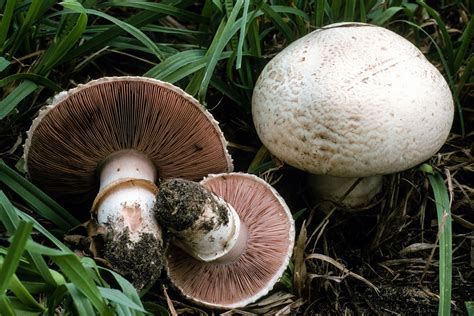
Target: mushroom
(348, 101)
(103, 145)
(232, 238)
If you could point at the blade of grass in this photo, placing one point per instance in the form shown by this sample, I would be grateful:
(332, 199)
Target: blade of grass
(272, 14)
(445, 242)
(82, 304)
(243, 33)
(101, 39)
(126, 287)
(467, 73)
(132, 30)
(10, 220)
(118, 297)
(6, 306)
(175, 62)
(7, 17)
(15, 251)
(23, 90)
(23, 295)
(363, 12)
(218, 47)
(319, 13)
(3, 63)
(466, 40)
(73, 269)
(43, 81)
(55, 53)
(448, 45)
(469, 308)
(349, 10)
(335, 8)
(39, 201)
(385, 15)
(35, 11)
(162, 8)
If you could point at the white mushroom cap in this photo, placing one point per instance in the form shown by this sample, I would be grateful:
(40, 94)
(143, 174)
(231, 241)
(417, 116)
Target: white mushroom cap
(352, 100)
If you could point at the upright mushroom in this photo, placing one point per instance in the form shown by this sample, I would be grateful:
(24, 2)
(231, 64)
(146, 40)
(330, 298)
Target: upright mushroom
(232, 238)
(103, 145)
(351, 100)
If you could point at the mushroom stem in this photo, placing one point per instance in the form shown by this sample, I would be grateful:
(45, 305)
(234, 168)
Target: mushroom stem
(329, 188)
(127, 194)
(202, 223)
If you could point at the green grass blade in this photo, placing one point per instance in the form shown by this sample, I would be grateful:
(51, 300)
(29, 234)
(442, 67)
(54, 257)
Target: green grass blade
(165, 9)
(448, 45)
(8, 216)
(286, 10)
(23, 295)
(126, 287)
(15, 251)
(271, 14)
(469, 308)
(349, 10)
(100, 40)
(34, 13)
(363, 12)
(39, 201)
(445, 242)
(220, 43)
(6, 306)
(174, 63)
(335, 9)
(74, 271)
(466, 40)
(243, 32)
(7, 17)
(43, 81)
(23, 90)
(82, 304)
(319, 13)
(58, 50)
(386, 15)
(43, 231)
(3, 63)
(466, 75)
(10, 220)
(118, 297)
(132, 30)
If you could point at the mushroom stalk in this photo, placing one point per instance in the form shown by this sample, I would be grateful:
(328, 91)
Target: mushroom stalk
(202, 223)
(330, 188)
(127, 194)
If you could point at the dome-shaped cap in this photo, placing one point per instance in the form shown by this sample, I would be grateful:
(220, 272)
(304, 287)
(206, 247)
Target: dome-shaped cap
(352, 100)
(270, 232)
(83, 126)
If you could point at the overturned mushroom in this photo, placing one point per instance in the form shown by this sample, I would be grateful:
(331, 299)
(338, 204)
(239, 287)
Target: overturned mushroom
(103, 145)
(232, 238)
(351, 100)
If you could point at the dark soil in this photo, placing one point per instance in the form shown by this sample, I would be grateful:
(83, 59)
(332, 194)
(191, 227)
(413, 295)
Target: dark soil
(139, 262)
(180, 203)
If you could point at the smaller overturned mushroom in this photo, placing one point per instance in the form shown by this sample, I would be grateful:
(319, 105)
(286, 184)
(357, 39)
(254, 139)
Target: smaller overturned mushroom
(103, 145)
(348, 101)
(232, 237)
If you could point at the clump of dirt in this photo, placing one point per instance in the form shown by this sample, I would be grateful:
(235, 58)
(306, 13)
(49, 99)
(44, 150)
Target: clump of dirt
(180, 203)
(139, 262)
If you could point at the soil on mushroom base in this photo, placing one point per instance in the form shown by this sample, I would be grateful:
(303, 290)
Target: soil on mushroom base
(186, 200)
(139, 262)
